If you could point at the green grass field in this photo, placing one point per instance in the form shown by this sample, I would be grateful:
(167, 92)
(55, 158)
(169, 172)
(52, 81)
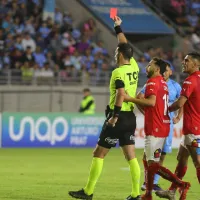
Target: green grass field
(41, 174)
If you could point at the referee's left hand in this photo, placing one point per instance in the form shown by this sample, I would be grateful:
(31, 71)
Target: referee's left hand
(112, 121)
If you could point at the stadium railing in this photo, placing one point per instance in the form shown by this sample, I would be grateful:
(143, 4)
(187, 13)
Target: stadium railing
(62, 77)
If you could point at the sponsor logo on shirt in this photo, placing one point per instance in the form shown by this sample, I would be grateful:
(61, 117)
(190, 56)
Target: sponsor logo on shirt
(150, 83)
(166, 121)
(187, 82)
(157, 153)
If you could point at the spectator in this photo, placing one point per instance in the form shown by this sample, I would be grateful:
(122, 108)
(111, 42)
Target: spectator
(83, 45)
(18, 27)
(50, 60)
(28, 56)
(29, 28)
(58, 16)
(142, 63)
(55, 43)
(76, 60)
(39, 56)
(27, 41)
(44, 30)
(27, 72)
(40, 42)
(18, 43)
(193, 18)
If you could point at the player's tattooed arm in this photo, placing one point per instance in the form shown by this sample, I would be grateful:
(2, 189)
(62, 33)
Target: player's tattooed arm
(178, 104)
(120, 35)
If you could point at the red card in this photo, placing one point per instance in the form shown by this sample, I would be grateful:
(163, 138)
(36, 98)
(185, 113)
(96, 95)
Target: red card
(113, 12)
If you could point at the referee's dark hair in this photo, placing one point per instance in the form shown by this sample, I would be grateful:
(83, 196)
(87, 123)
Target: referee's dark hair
(161, 64)
(126, 50)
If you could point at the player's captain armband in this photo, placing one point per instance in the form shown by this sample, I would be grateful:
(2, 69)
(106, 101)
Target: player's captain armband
(196, 143)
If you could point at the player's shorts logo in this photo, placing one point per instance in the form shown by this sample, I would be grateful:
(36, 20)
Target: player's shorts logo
(132, 138)
(111, 141)
(157, 153)
(196, 143)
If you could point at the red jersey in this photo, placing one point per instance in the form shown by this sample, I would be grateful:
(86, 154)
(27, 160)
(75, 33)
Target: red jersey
(157, 121)
(191, 113)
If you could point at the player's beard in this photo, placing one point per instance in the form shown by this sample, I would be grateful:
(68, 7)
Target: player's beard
(150, 74)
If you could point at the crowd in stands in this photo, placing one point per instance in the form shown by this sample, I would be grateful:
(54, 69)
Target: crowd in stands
(184, 13)
(35, 47)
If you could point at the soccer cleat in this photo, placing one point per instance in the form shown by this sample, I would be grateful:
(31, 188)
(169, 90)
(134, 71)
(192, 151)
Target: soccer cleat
(156, 187)
(184, 190)
(166, 194)
(80, 195)
(133, 198)
(143, 187)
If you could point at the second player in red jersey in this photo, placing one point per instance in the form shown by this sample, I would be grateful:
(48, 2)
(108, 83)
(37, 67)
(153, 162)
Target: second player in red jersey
(157, 124)
(191, 91)
(190, 101)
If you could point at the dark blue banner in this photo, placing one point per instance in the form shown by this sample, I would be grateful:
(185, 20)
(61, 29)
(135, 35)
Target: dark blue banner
(50, 130)
(137, 18)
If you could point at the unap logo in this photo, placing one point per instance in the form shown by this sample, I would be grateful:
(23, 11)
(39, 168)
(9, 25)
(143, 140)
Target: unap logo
(42, 129)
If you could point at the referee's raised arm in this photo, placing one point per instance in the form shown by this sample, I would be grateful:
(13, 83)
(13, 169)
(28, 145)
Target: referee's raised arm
(120, 35)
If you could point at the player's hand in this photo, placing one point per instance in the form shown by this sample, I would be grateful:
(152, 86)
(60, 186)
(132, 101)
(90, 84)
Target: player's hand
(176, 120)
(112, 121)
(117, 21)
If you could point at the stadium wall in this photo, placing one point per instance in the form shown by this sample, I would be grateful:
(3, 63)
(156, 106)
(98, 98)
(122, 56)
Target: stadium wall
(49, 98)
(53, 130)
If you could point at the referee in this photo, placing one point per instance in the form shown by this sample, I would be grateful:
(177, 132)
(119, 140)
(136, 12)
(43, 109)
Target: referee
(120, 124)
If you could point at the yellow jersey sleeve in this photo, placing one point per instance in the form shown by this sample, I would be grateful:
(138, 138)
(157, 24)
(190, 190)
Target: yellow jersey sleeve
(134, 64)
(116, 75)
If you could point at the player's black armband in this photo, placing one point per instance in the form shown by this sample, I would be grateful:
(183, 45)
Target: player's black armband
(118, 30)
(116, 111)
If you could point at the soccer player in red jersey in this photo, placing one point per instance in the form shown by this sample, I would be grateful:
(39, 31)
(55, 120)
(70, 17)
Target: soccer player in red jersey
(156, 127)
(190, 101)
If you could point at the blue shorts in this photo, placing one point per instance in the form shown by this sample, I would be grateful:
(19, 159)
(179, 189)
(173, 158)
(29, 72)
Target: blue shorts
(168, 143)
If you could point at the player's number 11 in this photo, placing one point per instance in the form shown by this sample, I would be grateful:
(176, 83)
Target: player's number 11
(165, 98)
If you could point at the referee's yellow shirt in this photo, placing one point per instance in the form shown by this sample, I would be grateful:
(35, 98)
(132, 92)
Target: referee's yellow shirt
(128, 74)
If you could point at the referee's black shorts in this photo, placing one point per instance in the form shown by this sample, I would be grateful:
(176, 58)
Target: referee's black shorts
(123, 132)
